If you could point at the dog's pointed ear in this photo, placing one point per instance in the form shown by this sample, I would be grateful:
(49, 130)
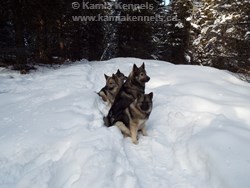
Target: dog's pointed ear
(135, 68)
(143, 66)
(106, 77)
(151, 95)
(115, 77)
(118, 72)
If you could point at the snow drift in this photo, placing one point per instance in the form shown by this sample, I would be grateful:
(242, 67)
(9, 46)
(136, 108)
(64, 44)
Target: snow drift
(52, 134)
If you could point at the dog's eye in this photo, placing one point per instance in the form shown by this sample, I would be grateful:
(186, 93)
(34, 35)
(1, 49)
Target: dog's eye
(142, 74)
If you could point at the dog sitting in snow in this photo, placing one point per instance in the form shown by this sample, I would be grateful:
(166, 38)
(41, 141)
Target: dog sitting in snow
(134, 85)
(112, 87)
(133, 118)
(130, 93)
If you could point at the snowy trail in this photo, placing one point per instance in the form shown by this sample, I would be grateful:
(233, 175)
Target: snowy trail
(52, 134)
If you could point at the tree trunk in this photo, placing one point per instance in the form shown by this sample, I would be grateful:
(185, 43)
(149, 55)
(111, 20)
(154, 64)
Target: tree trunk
(21, 58)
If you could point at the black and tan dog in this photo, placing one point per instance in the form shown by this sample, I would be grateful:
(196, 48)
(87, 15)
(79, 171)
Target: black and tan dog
(112, 87)
(121, 78)
(134, 85)
(134, 117)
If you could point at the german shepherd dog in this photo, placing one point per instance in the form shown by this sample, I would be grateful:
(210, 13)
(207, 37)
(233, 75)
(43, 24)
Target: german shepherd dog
(112, 87)
(134, 85)
(134, 117)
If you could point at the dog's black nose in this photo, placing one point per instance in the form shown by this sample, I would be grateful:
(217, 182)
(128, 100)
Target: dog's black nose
(148, 78)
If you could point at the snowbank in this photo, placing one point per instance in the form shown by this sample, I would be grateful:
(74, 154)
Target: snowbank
(52, 134)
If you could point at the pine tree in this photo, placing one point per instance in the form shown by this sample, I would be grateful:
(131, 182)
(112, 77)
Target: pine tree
(17, 9)
(243, 38)
(111, 33)
(179, 31)
(7, 33)
(72, 35)
(203, 18)
(160, 35)
(135, 38)
(221, 41)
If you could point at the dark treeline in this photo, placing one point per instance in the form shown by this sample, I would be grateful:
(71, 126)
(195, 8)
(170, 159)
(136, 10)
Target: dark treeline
(205, 32)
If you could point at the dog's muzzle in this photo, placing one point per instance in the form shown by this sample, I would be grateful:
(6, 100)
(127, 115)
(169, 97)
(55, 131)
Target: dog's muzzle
(148, 78)
(145, 106)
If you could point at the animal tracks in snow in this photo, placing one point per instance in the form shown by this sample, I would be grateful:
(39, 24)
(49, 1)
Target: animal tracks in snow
(52, 132)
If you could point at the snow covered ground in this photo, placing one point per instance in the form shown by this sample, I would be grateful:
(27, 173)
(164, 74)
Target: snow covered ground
(52, 134)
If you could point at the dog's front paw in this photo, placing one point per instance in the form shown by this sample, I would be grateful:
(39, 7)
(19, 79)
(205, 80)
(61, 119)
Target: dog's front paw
(144, 133)
(135, 142)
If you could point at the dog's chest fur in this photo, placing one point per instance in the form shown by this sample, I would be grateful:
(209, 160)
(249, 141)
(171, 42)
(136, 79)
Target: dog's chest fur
(140, 123)
(136, 117)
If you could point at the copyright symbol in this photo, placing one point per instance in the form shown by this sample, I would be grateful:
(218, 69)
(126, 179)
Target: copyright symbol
(75, 5)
